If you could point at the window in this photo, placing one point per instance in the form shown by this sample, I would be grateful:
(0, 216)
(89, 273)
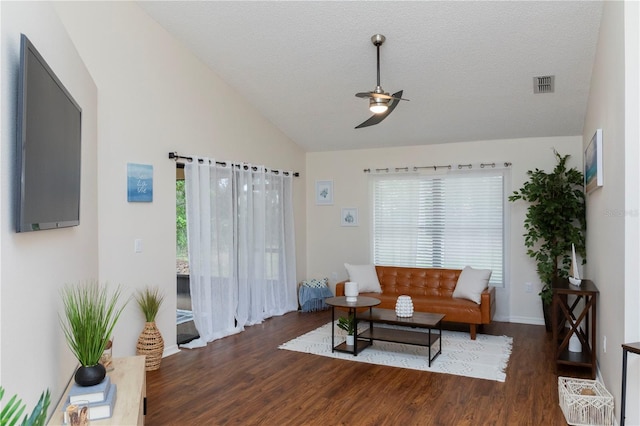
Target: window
(182, 258)
(441, 221)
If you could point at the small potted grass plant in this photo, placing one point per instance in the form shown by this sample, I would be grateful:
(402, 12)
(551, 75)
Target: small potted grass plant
(150, 342)
(90, 316)
(348, 324)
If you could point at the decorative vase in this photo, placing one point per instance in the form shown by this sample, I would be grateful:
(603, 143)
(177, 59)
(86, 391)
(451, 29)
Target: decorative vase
(574, 344)
(350, 339)
(90, 375)
(404, 307)
(351, 291)
(151, 345)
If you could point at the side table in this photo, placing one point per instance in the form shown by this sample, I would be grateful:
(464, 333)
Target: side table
(341, 302)
(587, 292)
(626, 348)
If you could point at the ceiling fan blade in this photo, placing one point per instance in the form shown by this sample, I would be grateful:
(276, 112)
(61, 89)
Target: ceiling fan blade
(377, 118)
(363, 94)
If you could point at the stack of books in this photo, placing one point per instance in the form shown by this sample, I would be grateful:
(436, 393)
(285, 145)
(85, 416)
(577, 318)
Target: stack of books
(101, 399)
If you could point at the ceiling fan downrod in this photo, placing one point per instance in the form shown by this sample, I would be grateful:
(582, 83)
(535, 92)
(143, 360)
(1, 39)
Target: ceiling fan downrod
(377, 41)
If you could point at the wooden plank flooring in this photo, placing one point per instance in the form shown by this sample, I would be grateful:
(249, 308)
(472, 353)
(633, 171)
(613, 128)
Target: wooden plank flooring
(245, 379)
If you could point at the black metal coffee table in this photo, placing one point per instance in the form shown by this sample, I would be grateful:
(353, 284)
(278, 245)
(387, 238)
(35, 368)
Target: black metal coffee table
(418, 320)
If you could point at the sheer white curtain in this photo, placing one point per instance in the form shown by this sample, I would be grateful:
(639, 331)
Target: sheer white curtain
(241, 246)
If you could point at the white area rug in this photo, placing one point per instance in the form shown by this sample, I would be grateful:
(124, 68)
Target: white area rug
(484, 358)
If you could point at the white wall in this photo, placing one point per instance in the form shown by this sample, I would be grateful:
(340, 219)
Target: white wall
(612, 211)
(329, 245)
(632, 199)
(156, 97)
(36, 265)
(150, 96)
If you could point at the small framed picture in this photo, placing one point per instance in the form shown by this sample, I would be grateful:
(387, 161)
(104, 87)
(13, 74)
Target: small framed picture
(349, 216)
(324, 192)
(593, 175)
(139, 182)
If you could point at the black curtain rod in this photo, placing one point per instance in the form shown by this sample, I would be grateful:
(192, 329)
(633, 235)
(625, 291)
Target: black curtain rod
(176, 157)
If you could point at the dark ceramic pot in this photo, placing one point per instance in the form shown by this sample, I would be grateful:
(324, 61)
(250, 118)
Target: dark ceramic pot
(89, 376)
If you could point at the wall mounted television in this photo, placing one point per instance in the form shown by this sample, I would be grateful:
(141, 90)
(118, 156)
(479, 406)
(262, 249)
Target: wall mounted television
(48, 147)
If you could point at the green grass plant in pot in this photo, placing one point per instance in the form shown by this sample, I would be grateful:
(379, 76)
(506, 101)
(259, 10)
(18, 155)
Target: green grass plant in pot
(556, 219)
(90, 315)
(348, 324)
(150, 343)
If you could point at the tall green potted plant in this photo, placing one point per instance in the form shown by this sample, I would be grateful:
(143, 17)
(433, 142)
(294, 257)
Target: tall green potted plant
(91, 314)
(555, 220)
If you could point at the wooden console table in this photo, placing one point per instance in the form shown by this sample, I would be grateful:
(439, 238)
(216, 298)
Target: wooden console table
(131, 377)
(587, 292)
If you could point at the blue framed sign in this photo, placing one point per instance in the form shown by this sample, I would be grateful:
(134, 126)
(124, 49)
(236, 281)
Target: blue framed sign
(139, 183)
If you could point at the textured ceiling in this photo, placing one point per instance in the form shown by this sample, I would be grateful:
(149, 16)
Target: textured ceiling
(467, 67)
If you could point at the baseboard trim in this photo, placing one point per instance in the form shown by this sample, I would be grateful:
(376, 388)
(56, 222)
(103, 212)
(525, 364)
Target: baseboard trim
(170, 350)
(527, 320)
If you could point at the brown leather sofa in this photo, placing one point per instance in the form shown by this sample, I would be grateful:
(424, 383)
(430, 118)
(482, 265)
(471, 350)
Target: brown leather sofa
(431, 290)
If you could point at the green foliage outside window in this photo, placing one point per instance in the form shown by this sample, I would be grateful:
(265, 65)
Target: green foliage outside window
(181, 222)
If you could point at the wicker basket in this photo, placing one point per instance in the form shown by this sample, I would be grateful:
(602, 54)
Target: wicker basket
(150, 344)
(585, 402)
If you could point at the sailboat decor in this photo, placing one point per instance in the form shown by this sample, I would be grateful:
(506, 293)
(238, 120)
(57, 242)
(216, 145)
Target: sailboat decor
(574, 275)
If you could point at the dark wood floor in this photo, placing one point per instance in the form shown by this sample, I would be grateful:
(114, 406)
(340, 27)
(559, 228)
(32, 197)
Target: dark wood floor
(245, 379)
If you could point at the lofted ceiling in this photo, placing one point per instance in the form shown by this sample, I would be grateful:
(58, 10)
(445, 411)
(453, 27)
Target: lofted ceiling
(466, 66)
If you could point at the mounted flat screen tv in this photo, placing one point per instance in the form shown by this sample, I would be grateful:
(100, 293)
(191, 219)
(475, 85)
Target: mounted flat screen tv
(48, 147)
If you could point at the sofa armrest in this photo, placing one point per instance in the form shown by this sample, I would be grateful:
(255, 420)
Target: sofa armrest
(340, 288)
(487, 304)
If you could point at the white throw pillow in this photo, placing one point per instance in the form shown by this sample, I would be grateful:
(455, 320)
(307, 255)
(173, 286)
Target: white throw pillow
(471, 283)
(365, 276)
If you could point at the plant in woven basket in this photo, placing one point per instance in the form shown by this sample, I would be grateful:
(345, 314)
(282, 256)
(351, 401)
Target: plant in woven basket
(150, 342)
(90, 316)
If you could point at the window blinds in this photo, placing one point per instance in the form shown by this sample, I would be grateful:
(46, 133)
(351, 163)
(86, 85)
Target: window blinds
(442, 221)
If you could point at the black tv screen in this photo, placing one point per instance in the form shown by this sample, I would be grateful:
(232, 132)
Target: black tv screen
(48, 147)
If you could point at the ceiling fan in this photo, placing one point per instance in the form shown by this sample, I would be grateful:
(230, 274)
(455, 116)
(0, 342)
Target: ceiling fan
(381, 104)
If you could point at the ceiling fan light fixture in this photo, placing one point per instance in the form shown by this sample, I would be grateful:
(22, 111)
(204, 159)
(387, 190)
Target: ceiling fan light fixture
(378, 106)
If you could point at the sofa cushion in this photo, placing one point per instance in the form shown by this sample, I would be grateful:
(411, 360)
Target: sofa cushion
(471, 283)
(365, 276)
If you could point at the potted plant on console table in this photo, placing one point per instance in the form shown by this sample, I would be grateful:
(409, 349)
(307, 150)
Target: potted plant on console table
(348, 324)
(555, 220)
(90, 316)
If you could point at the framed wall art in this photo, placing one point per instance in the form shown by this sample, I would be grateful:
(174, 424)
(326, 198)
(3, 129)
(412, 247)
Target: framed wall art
(324, 192)
(349, 216)
(139, 183)
(593, 174)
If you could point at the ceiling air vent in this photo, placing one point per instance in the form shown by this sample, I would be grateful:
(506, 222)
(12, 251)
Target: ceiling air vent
(544, 84)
